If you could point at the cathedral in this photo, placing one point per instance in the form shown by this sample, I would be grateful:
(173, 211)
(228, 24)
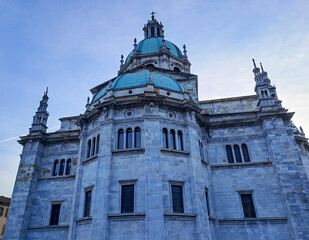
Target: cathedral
(149, 160)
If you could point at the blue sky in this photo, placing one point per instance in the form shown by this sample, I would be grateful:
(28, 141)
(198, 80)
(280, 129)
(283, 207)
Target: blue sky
(72, 46)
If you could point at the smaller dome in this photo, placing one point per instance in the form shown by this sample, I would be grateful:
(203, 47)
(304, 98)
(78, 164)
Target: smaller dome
(99, 94)
(130, 80)
(153, 45)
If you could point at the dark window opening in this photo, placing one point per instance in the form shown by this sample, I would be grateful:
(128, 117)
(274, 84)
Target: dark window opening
(127, 198)
(176, 69)
(245, 152)
(89, 148)
(129, 138)
(152, 31)
(55, 212)
(158, 32)
(180, 141)
(120, 138)
(165, 138)
(172, 139)
(207, 202)
(229, 154)
(93, 147)
(1, 211)
(98, 144)
(68, 167)
(201, 149)
(56, 168)
(150, 65)
(237, 153)
(248, 206)
(62, 165)
(87, 203)
(137, 137)
(177, 199)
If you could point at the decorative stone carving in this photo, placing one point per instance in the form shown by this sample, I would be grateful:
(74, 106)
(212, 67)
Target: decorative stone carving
(65, 147)
(129, 113)
(170, 115)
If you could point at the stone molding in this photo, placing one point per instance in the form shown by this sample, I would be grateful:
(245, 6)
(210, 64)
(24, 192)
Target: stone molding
(180, 216)
(126, 216)
(84, 220)
(49, 227)
(245, 164)
(237, 221)
(64, 177)
(90, 159)
(173, 151)
(128, 150)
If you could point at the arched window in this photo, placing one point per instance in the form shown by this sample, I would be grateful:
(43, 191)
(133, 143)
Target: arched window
(1, 211)
(180, 142)
(98, 144)
(176, 69)
(158, 32)
(68, 168)
(245, 152)
(237, 153)
(172, 139)
(56, 168)
(129, 138)
(150, 65)
(93, 147)
(120, 138)
(266, 93)
(229, 154)
(152, 30)
(62, 165)
(89, 148)
(137, 137)
(165, 138)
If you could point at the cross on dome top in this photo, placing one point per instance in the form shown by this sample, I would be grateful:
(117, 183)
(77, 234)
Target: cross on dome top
(152, 15)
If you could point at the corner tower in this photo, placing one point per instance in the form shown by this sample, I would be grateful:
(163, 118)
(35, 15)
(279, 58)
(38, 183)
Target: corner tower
(41, 116)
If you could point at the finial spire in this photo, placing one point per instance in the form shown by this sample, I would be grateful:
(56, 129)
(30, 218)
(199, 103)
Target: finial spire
(46, 91)
(135, 41)
(152, 15)
(261, 67)
(121, 60)
(184, 50)
(254, 63)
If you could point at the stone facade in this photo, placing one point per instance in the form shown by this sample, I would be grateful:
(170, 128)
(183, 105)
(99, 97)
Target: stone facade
(240, 164)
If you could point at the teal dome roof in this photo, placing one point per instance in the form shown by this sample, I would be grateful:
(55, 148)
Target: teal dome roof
(130, 80)
(99, 94)
(153, 45)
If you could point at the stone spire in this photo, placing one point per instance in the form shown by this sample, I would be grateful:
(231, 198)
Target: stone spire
(266, 92)
(40, 118)
(153, 28)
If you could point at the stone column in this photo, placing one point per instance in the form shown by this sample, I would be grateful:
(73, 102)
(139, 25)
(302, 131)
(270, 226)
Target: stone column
(153, 185)
(291, 175)
(25, 184)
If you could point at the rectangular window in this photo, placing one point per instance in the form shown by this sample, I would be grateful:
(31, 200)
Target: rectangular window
(207, 201)
(248, 206)
(177, 199)
(127, 198)
(87, 203)
(54, 216)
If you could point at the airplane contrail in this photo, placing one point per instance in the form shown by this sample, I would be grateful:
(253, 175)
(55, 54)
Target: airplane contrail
(13, 138)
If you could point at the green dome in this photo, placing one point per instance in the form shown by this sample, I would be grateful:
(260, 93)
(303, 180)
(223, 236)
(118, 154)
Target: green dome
(130, 80)
(153, 45)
